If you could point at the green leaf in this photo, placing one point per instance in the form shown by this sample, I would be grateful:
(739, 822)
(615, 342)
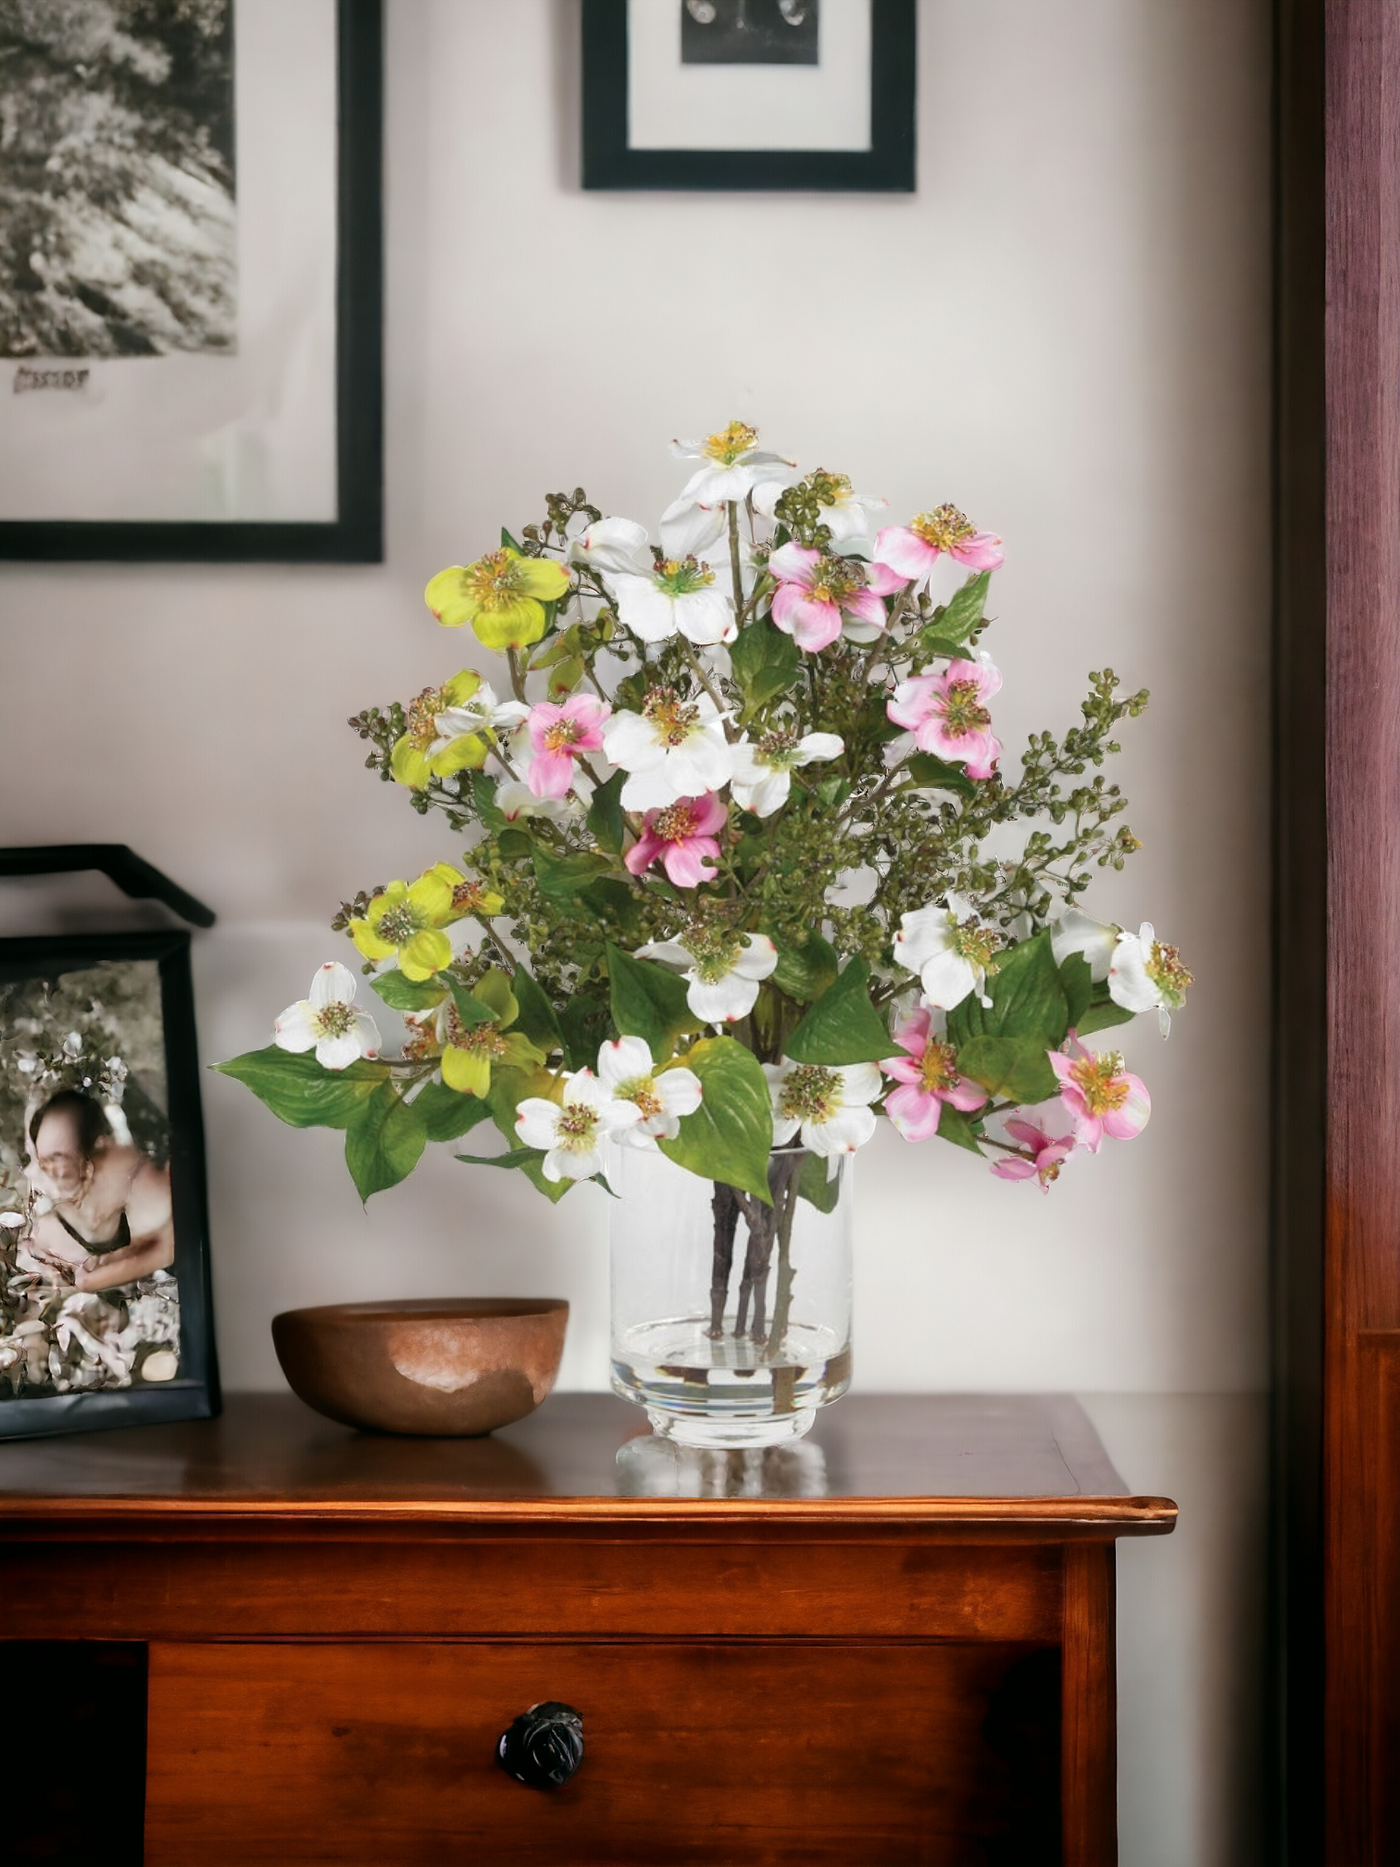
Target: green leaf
(605, 814)
(402, 994)
(509, 1088)
(966, 609)
(765, 662)
(1103, 1015)
(843, 1026)
(1028, 999)
(936, 774)
(730, 1136)
(1015, 1067)
(1078, 982)
(510, 543)
(648, 1001)
(562, 879)
(955, 1126)
(586, 1025)
(813, 1185)
(492, 989)
(536, 1017)
(530, 1161)
(300, 1092)
(484, 800)
(514, 843)
(445, 1114)
(466, 1004)
(612, 897)
(384, 1142)
(804, 972)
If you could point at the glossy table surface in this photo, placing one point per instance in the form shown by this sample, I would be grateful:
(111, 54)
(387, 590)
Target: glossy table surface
(964, 1458)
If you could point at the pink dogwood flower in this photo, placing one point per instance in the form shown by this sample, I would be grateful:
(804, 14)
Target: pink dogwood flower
(558, 735)
(915, 548)
(1101, 1095)
(683, 835)
(928, 1077)
(818, 596)
(1045, 1154)
(947, 713)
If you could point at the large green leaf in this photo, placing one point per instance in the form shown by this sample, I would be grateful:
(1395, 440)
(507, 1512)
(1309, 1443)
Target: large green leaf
(1102, 1015)
(805, 972)
(484, 799)
(648, 1001)
(385, 1141)
(843, 1026)
(1078, 982)
(300, 1092)
(605, 818)
(530, 1161)
(814, 1186)
(1028, 999)
(587, 1025)
(936, 774)
(730, 1136)
(561, 879)
(536, 1016)
(509, 1088)
(446, 1114)
(955, 1126)
(765, 662)
(1015, 1067)
(963, 613)
(402, 994)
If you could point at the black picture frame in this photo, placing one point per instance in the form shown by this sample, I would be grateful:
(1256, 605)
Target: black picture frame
(356, 534)
(194, 1393)
(888, 166)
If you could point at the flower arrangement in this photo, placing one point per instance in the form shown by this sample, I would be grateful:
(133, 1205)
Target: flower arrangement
(728, 882)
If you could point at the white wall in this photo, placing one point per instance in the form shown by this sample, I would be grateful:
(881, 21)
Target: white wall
(1065, 330)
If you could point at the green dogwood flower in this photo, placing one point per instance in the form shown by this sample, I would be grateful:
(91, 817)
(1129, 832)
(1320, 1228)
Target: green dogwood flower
(438, 741)
(502, 596)
(470, 1050)
(406, 922)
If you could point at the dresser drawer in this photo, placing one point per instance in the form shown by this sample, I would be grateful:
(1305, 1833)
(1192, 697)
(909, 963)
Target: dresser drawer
(760, 1751)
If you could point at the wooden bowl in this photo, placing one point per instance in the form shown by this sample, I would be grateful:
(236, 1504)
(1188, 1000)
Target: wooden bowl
(453, 1367)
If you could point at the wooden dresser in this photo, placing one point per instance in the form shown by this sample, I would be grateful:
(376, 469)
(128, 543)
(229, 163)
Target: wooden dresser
(891, 1642)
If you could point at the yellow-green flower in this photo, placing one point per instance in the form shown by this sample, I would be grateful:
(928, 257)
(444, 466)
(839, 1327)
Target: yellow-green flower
(438, 740)
(502, 596)
(470, 1050)
(406, 922)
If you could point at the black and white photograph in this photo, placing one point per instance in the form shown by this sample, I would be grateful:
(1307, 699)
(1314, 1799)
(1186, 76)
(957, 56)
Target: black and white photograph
(815, 95)
(190, 280)
(749, 32)
(95, 1240)
(118, 233)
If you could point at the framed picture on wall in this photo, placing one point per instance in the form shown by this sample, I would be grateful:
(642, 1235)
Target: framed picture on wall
(190, 280)
(749, 94)
(105, 1315)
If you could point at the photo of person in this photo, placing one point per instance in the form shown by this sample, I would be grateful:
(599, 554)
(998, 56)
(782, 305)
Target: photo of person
(88, 1296)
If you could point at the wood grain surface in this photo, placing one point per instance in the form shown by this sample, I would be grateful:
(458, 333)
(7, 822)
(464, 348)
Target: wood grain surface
(763, 1753)
(1362, 1271)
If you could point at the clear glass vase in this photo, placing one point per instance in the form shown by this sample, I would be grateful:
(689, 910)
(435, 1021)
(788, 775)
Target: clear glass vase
(731, 1320)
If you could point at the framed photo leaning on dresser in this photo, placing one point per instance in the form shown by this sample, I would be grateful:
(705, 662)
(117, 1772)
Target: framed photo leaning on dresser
(105, 1315)
(190, 280)
(749, 94)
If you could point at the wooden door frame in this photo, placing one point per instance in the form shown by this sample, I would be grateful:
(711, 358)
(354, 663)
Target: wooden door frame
(1337, 953)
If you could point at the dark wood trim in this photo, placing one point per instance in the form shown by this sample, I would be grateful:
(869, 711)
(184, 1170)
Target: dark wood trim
(1337, 1183)
(1089, 1710)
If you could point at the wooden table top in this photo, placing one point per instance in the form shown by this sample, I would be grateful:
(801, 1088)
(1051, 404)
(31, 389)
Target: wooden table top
(960, 1460)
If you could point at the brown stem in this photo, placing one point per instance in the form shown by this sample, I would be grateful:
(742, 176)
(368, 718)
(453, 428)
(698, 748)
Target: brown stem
(725, 1206)
(782, 1298)
(782, 1177)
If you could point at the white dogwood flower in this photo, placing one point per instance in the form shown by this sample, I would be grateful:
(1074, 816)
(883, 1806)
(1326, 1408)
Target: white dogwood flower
(573, 1131)
(673, 748)
(625, 1067)
(828, 1105)
(722, 974)
(763, 768)
(950, 950)
(327, 1021)
(1146, 974)
(1074, 932)
(677, 596)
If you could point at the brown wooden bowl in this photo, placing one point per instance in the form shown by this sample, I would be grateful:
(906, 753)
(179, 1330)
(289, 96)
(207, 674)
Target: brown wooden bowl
(452, 1367)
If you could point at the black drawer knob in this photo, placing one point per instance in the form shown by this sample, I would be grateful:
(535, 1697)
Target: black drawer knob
(544, 1746)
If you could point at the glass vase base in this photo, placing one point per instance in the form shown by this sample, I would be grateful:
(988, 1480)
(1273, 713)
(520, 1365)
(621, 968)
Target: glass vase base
(728, 1390)
(685, 1429)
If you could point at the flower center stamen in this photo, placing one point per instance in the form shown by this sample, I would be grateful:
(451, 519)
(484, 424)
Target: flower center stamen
(422, 717)
(399, 923)
(675, 823)
(1101, 1082)
(777, 749)
(943, 528)
(962, 709)
(335, 1019)
(731, 443)
(578, 1123)
(938, 1067)
(467, 897)
(560, 735)
(482, 1040)
(810, 1093)
(976, 944)
(683, 576)
(642, 1091)
(494, 580)
(1168, 974)
(672, 719)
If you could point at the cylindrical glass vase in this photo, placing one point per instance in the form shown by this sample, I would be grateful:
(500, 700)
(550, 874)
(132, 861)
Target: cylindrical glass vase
(731, 1319)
